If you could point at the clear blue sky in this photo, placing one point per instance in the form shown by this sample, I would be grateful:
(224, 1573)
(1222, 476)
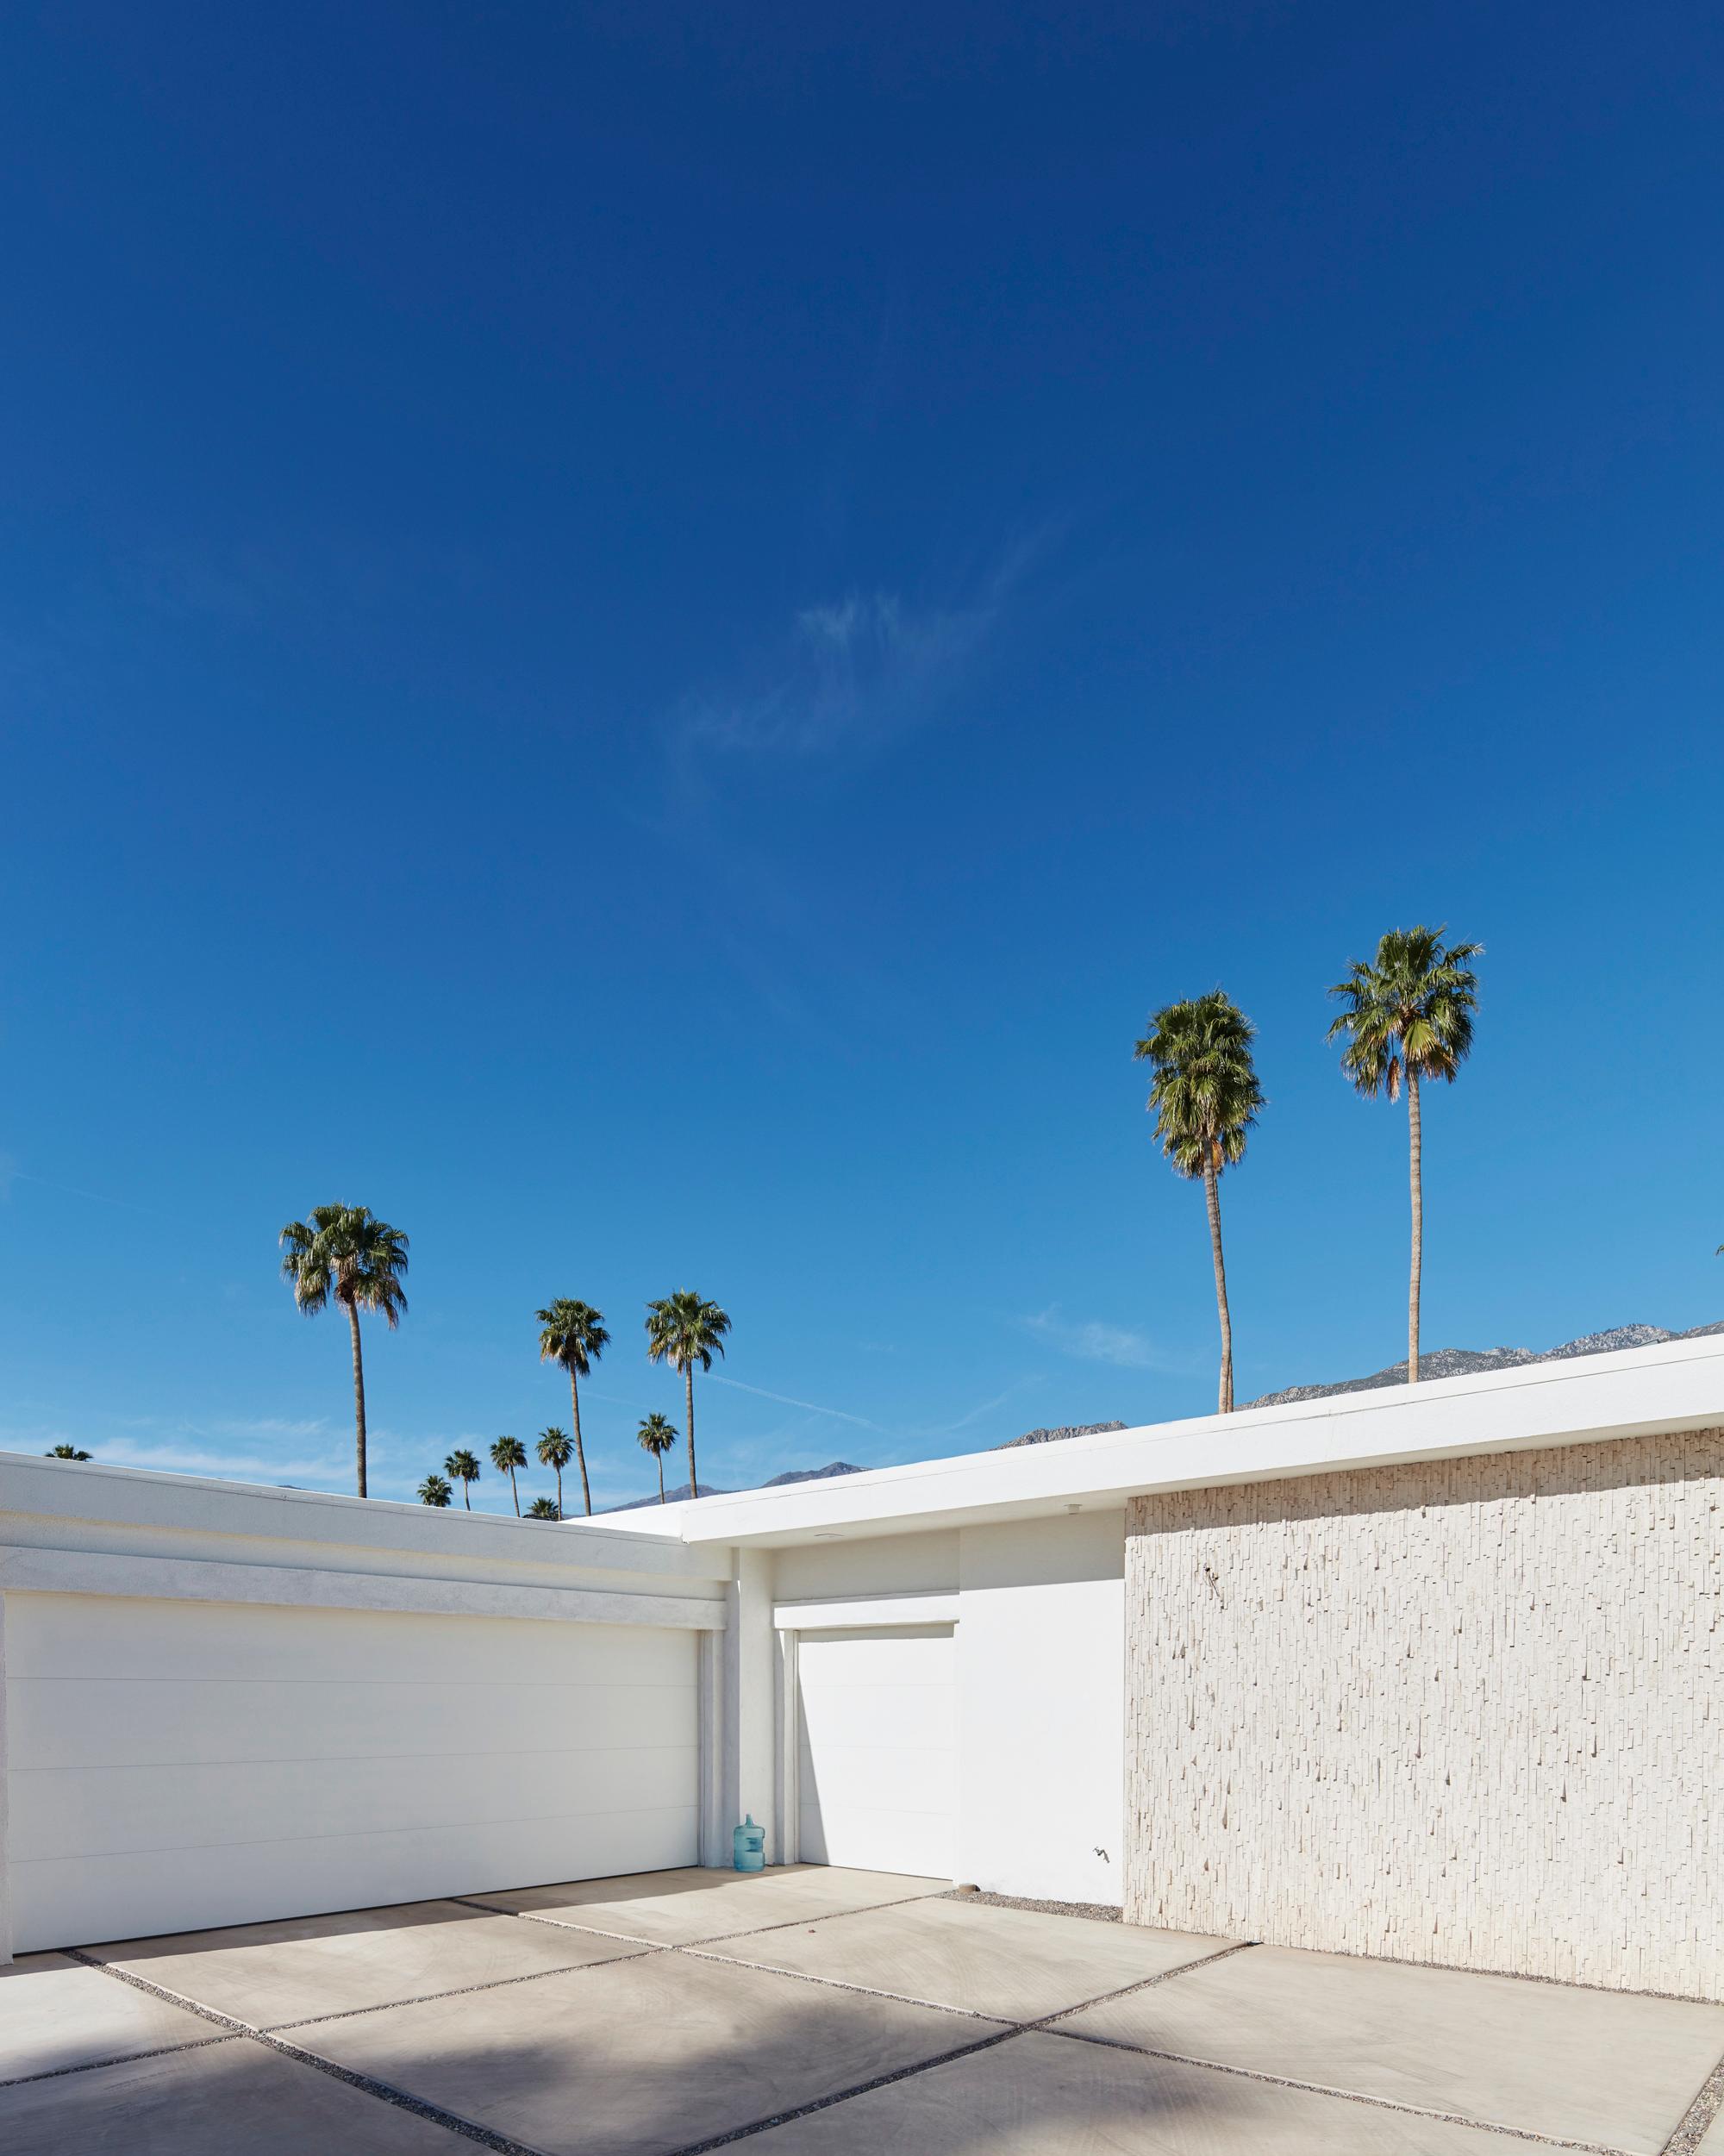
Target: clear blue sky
(641, 637)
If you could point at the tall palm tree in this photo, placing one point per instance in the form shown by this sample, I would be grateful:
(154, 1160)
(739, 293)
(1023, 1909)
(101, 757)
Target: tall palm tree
(1407, 1017)
(463, 1467)
(434, 1490)
(555, 1451)
(506, 1455)
(346, 1252)
(658, 1436)
(544, 1509)
(683, 1330)
(1205, 1097)
(574, 1333)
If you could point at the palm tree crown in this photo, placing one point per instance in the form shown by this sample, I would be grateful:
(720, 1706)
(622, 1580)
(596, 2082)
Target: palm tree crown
(434, 1490)
(657, 1435)
(345, 1252)
(544, 1509)
(463, 1466)
(64, 1452)
(1205, 1097)
(574, 1333)
(555, 1451)
(683, 1330)
(506, 1455)
(1407, 1016)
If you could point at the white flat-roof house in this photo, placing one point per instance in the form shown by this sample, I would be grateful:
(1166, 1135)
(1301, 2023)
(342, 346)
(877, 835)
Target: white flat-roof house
(1435, 1674)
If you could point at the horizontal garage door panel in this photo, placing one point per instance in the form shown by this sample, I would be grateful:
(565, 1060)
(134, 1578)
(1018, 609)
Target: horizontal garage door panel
(876, 1752)
(177, 1765)
(168, 1723)
(251, 1640)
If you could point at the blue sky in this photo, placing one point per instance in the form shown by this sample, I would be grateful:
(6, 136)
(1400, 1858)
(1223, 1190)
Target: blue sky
(643, 636)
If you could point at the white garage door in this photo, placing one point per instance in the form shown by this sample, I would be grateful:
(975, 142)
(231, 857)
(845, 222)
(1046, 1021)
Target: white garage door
(877, 1765)
(174, 1764)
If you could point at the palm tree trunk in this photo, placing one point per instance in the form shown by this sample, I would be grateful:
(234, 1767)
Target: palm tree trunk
(514, 1493)
(468, 1492)
(660, 1457)
(559, 1493)
(353, 1309)
(580, 1449)
(688, 1385)
(1212, 1193)
(1415, 1176)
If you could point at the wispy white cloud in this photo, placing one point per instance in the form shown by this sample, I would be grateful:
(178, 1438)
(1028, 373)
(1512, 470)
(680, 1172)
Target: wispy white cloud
(1092, 1340)
(811, 1407)
(853, 670)
(188, 1456)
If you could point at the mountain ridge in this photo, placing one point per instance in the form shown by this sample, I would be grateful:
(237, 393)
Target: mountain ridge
(1467, 1362)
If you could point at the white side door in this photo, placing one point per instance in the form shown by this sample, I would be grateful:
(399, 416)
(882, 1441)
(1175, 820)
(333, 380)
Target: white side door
(876, 1752)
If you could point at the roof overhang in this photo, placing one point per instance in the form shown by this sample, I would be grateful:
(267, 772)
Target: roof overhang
(1585, 1400)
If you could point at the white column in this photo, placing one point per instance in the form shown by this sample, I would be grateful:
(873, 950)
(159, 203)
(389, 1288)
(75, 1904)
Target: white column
(749, 1702)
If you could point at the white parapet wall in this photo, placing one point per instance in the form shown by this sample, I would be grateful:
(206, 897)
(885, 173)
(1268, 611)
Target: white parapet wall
(1464, 1711)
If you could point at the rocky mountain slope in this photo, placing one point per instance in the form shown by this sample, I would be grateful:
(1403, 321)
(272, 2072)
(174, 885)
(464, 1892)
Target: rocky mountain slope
(1052, 1437)
(710, 1489)
(1464, 1362)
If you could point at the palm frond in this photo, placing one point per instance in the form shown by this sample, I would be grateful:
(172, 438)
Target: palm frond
(1203, 1091)
(346, 1252)
(1408, 1011)
(683, 1329)
(555, 1448)
(656, 1435)
(574, 1333)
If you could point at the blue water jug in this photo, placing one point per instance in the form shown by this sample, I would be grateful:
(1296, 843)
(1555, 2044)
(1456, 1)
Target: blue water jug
(748, 1847)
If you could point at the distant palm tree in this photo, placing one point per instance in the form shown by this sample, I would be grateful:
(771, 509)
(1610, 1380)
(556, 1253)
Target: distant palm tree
(1407, 1016)
(345, 1252)
(1205, 1097)
(544, 1509)
(434, 1490)
(658, 1436)
(573, 1334)
(555, 1451)
(506, 1455)
(64, 1452)
(683, 1330)
(464, 1467)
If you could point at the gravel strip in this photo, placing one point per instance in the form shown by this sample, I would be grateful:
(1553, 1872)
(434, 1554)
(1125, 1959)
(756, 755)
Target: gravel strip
(1691, 2132)
(1097, 1912)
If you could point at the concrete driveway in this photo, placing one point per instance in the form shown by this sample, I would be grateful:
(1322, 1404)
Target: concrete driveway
(816, 2012)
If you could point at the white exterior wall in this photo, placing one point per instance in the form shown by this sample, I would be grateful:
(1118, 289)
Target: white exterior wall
(1467, 1711)
(1038, 1685)
(1041, 1709)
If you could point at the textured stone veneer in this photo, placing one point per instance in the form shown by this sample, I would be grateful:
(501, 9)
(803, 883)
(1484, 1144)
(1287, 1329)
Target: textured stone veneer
(1467, 1711)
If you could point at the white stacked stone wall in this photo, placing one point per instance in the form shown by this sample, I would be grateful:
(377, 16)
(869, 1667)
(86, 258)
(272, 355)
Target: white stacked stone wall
(1468, 1711)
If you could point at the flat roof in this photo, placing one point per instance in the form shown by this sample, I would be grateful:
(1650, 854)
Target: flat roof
(1579, 1400)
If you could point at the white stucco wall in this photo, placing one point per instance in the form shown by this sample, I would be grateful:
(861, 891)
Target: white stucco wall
(1466, 1711)
(1036, 1608)
(1041, 1708)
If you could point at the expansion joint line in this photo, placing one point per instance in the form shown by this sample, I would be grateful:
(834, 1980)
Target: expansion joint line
(502, 2143)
